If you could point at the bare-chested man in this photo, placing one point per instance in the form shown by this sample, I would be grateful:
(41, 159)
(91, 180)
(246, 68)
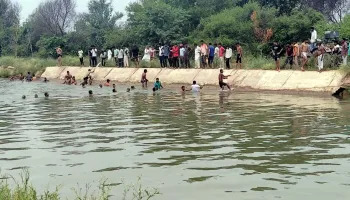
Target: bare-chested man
(304, 52)
(144, 79)
(239, 56)
(221, 80)
(59, 56)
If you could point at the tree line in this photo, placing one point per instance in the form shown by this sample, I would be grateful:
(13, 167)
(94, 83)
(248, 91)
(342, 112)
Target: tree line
(253, 23)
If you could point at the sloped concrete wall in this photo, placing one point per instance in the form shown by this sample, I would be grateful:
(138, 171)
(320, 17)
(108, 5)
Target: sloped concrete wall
(78, 72)
(328, 81)
(53, 72)
(152, 74)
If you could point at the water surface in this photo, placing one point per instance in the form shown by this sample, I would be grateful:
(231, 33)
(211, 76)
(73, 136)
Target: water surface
(192, 146)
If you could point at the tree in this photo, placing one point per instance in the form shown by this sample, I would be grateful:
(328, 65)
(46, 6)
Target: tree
(154, 21)
(9, 26)
(98, 21)
(54, 17)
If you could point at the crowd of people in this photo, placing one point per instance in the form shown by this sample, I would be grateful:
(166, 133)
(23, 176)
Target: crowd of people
(179, 55)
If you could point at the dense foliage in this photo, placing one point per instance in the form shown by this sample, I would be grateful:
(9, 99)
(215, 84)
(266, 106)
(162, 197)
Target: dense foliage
(254, 23)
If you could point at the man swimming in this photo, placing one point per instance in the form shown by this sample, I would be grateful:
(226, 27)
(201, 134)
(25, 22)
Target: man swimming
(144, 79)
(46, 94)
(90, 93)
(222, 84)
(108, 83)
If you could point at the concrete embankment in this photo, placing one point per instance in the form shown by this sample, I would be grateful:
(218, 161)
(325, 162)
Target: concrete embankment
(329, 81)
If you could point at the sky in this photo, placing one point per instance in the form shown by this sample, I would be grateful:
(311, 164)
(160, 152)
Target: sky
(28, 6)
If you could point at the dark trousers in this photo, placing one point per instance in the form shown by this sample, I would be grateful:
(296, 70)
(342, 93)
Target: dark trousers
(81, 61)
(94, 61)
(121, 62)
(161, 60)
(228, 63)
(211, 60)
(176, 62)
(116, 61)
(182, 61)
(187, 62)
(166, 60)
(204, 61)
(171, 62)
(103, 62)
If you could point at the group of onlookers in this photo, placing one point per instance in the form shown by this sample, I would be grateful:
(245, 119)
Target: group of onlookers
(120, 56)
(212, 55)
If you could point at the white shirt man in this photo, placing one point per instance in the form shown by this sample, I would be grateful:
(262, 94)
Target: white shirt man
(313, 36)
(121, 54)
(217, 52)
(195, 87)
(80, 53)
(197, 56)
(228, 53)
(94, 52)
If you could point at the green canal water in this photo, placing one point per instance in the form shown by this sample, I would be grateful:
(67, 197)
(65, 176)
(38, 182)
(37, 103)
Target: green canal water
(190, 146)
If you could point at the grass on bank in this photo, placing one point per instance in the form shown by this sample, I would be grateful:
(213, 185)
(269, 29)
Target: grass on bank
(38, 65)
(22, 189)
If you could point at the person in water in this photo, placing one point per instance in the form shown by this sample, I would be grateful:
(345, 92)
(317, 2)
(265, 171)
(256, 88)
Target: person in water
(183, 89)
(195, 87)
(100, 85)
(108, 83)
(90, 80)
(222, 84)
(73, 81)
(144, 79)
(21, 77)
(36, 96)
(24, 97)
(29, 77)
(46, 94)
(45, 80)
(114, 90)
(68, 78)
(132, 87)
(90, 93)
(128, 90)
(114, 86)
(158, 85)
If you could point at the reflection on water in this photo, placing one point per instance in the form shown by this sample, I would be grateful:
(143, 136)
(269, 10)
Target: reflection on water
(190, 146)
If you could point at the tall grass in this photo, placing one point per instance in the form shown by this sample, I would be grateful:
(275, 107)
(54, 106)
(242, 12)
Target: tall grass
(22, 189)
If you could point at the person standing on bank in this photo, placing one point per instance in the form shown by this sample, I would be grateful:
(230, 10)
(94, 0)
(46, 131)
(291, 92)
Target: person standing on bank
(59, 56)
(182, 55)
(313, 40)
(121, 57)
(126, 57)
(94, 56)
(197, 56)
(161, 55)
(228, 56)
(239, 55)
(116, 53)
(187, 56)
(320, 56)
(276, 53)
(344, 51)
(221, 55)
(103, 57)
(176, 53)
(204, 53)
(81, 57)
(296, 54)
(166, 55)
(211, 55)
(304, 53)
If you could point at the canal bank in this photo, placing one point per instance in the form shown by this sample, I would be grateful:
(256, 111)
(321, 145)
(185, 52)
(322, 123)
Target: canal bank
(293, 81)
